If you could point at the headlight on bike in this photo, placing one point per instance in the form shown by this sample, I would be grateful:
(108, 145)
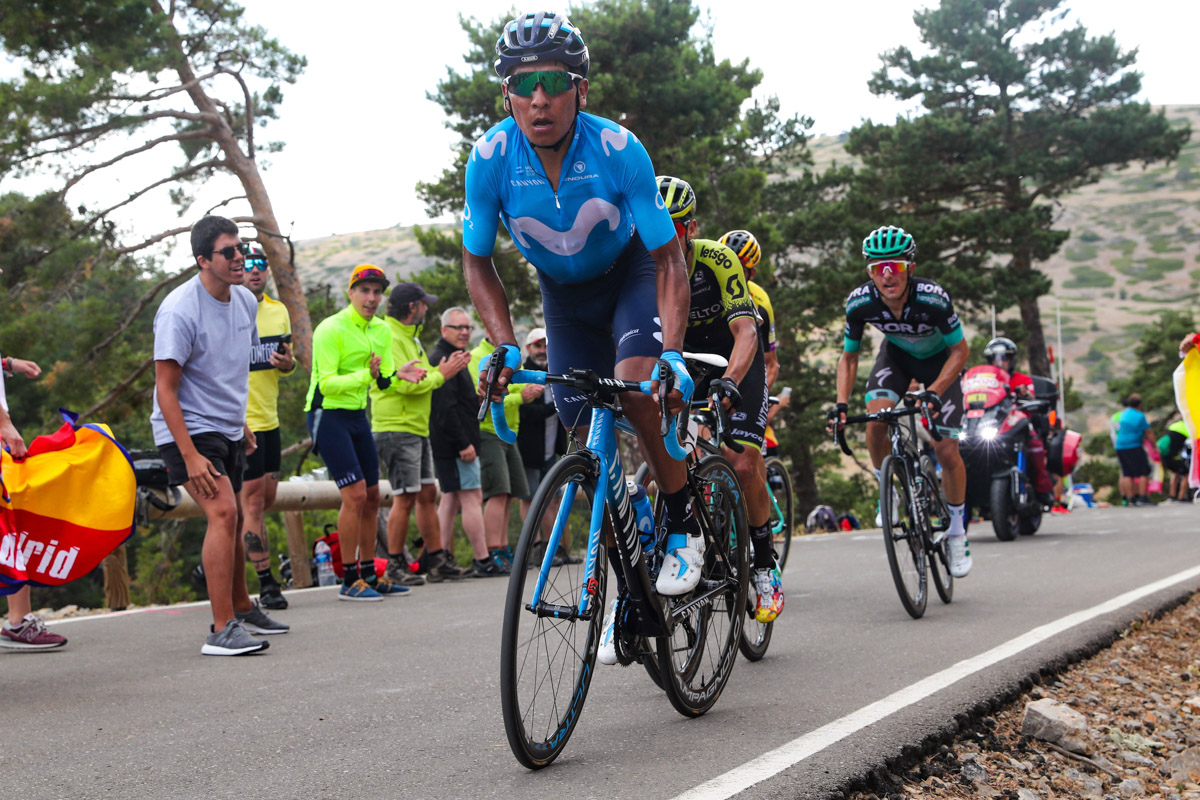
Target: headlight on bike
(988, 432)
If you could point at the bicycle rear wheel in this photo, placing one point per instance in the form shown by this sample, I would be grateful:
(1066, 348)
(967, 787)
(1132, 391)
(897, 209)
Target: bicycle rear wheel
(939, 554)
(904, 540)
(697, 658)
(783, 503)
(547, 661)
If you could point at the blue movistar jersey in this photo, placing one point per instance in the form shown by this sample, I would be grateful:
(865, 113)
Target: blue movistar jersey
(607, 191)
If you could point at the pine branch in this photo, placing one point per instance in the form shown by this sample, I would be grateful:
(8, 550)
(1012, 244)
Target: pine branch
(175, 137)
(118, 389)
(145, 300)
(249, 110)
(225, 202)
(178, 176)
(94, 131)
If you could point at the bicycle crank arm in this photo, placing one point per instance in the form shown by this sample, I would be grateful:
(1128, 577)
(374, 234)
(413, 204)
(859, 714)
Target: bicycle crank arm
(559, 612)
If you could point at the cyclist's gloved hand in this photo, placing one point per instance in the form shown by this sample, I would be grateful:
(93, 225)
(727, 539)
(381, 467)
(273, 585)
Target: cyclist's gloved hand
(504, 357)
(835, 417)
(727, 389)
(931, 398)
(683, 381)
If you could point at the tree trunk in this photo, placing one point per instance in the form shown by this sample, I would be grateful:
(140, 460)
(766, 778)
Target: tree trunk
(804, 482)
(1035, 343)
(291, 292)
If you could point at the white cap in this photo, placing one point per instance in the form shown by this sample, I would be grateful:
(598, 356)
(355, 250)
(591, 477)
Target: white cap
(535, 335)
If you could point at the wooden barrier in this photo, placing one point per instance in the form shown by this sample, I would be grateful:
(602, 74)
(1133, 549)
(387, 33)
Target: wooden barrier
(292, 498)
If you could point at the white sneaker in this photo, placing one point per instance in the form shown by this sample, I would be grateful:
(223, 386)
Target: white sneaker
(607, 652)
(680, 572)
(960, 556)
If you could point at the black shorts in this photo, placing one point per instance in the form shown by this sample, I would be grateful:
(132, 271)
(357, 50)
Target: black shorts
(895, 369)
(599, 323)
(1134, 462)
(343, 439)
(266, 458)
(228, 456)
(747, 422)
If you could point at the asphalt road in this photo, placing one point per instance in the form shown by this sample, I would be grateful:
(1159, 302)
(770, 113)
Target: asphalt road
(402, 697)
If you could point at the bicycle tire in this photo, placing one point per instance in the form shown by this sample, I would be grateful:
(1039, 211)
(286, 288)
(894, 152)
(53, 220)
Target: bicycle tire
(697, 657)
(939, 554)
(905, 543)
(782, 541)
(547, 663)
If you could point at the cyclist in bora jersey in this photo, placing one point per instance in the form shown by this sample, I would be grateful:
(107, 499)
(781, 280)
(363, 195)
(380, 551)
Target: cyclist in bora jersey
(723, 320)
(577, 194)
(924, 342)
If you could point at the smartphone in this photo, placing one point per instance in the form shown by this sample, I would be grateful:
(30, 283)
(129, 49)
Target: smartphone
(285, 340)
(787, 392)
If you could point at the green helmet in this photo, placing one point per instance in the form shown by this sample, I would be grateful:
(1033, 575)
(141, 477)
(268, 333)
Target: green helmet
(679, 198)
(889, 242)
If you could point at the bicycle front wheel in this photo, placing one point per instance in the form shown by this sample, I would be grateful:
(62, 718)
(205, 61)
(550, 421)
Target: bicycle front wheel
(697, 657)
(904, 540)
(548, 654)
(783, 506)
(939, 554)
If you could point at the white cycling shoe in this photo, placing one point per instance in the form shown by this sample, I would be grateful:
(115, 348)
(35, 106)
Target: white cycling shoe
(680, 571)
(960, 556)
(607, 652)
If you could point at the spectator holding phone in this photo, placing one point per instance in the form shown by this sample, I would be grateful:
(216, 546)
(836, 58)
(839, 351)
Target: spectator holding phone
(269, 359)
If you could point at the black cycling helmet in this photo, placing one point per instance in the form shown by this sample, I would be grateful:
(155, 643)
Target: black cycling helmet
(679, 198)
(541, 36)
(999, 347)
(889, 242)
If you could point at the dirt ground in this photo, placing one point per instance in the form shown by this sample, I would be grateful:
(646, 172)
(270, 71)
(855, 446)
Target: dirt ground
(1141, 699)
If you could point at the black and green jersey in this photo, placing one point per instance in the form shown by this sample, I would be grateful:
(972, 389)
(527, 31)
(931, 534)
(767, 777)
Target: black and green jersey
(927, 326)
(719, 296)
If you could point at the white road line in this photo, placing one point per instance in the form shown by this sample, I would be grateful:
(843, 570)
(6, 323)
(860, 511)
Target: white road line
(772, 763)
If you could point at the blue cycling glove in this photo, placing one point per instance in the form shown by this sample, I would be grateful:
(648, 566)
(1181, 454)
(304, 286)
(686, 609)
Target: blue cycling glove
(512, 356)
(683, 381)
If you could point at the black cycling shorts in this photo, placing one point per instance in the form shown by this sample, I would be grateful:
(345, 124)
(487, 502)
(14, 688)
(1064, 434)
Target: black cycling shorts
(895, 370)
(599, 323)
(266, 458)
(747, 422)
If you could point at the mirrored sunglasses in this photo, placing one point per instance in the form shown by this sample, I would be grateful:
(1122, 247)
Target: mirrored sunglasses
(523, 84)
(229, 252)
(889, 267)
(256, 263)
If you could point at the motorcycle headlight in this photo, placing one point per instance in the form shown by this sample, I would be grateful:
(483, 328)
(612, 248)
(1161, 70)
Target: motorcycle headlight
(988, 433)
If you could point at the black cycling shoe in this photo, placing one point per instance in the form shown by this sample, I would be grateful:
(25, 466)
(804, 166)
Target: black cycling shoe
(271, 597)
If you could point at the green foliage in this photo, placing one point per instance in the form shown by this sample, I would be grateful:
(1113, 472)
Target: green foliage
(1082, 252)
(1014, 119)
(1154, 360)
(1098, 472)
(1099, 445)
(855, 494)
(1085, 277)
(1149, 269)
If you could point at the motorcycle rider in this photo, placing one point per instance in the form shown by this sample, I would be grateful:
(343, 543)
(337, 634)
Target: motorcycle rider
(1001, 352)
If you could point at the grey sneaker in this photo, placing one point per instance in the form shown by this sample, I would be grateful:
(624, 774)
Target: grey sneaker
(399, 574)
(232, 641)
(256, 621)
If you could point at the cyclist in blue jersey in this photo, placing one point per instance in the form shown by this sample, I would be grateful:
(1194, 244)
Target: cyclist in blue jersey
(578, 195)
(923, 342)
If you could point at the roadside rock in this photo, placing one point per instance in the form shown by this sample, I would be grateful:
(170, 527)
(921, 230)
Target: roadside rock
(1057, 723)
(1185, 767)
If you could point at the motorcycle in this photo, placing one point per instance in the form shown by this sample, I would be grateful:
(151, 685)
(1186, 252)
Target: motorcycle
(993, 444)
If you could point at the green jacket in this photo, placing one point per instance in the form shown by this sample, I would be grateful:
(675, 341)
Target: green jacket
(512, 403)
(342, 348)
(404, 406)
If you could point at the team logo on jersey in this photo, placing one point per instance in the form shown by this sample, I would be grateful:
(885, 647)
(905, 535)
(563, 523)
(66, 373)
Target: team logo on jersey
(580, 167)
(617, 139)
(486, 147)
(569, 242)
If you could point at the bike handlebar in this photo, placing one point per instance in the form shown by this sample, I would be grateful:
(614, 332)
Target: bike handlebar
(589, 384)
(913, 406)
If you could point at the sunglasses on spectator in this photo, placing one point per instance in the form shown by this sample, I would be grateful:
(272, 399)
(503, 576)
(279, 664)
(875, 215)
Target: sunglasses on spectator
(889, 267)
(460, 327)
(229, 252)
(523, 84)
(257, 263)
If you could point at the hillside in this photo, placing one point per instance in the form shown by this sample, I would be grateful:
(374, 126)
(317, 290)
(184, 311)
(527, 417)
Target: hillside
(1134, 251)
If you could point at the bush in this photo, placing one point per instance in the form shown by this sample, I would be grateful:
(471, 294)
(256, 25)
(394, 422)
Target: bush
(1098, 472)
(1099, 445)
(856, 495)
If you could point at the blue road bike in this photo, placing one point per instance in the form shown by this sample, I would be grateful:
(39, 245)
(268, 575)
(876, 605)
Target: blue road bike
(554, 612)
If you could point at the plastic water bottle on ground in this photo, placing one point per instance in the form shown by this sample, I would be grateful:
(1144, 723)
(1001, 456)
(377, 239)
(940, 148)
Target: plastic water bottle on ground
(325, 574)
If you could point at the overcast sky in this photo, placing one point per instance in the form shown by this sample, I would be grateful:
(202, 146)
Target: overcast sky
(360, 132)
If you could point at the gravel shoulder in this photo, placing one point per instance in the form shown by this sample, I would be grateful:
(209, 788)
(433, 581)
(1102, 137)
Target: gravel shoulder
(1141, 701)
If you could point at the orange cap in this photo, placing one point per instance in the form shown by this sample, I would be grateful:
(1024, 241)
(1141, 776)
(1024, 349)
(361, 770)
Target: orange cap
(368, 272)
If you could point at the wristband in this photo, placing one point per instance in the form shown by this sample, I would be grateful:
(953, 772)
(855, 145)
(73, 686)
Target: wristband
(842, 408)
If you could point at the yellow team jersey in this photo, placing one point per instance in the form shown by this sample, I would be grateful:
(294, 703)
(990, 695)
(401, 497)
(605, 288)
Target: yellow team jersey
(766, 324)
(262, 413)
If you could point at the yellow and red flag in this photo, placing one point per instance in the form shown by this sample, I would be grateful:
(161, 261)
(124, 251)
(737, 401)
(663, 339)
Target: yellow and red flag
(1187, 397)
(64, 507)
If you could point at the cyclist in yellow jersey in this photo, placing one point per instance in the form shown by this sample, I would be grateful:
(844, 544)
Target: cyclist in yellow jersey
(269, 359)
(723, 319)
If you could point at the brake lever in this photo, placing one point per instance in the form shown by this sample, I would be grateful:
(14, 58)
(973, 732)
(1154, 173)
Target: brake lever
(493, 374)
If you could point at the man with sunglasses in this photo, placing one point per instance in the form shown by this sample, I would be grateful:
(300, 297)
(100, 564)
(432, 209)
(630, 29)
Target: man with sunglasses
(269, 359)
(578, 195)
(203, 335)
(923, 342)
